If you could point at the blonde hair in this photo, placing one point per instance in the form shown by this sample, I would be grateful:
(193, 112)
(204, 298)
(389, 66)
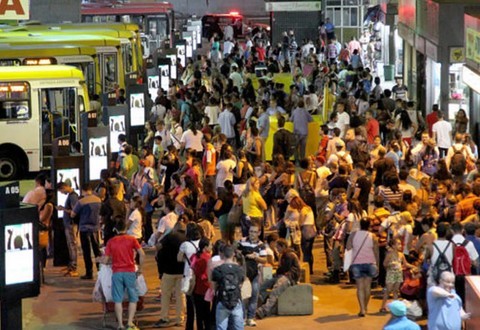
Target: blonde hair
(248, 188)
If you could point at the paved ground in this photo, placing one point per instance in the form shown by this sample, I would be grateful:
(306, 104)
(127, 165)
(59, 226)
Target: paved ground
(66, 303)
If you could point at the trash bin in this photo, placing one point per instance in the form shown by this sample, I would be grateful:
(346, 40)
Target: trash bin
(388, 72)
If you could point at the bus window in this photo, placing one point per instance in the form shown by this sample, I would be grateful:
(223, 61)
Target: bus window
(14, 101)
(158, 27)
(109, 71)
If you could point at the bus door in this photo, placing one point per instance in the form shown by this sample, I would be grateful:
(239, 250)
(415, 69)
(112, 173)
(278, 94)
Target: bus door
(109, 71)
(59, 117)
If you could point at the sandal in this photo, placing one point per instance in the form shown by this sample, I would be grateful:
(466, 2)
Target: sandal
(383, 310)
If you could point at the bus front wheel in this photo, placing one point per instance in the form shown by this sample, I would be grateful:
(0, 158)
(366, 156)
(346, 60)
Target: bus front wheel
(9, 167)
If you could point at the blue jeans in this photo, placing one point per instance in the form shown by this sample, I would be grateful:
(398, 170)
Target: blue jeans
(223, 315)
(72, 246)
(251, 303)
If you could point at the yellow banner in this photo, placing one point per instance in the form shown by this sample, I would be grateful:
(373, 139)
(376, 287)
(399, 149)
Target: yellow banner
(472, 45)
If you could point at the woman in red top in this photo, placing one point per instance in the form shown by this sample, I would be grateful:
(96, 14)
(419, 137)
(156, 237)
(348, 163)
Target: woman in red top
(198, 263)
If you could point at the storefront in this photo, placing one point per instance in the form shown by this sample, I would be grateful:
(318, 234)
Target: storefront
(433, 64)
(471, 70)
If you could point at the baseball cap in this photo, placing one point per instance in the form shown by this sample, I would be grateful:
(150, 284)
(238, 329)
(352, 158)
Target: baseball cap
(339, 143)
(397, 308)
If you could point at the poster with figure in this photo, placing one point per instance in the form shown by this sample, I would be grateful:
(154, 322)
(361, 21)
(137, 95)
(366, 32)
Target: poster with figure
(117, 127)
(153, 85)
(189, 44)
(71, 175)
(137, 109)
(181, 53)
(97, 156)
(164, 70)
(173, 66)
(18, 253)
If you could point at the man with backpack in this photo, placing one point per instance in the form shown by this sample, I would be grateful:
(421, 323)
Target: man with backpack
(457, 157)
(465, 256)
(440, 254)
(227, 282)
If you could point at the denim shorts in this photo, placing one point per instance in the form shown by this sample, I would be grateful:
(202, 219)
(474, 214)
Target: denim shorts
(124, 281)
(364, 270)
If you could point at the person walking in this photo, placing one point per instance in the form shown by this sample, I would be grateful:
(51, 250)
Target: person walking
(120, 252)
(301, 117)
(227, 280)
(365, 260)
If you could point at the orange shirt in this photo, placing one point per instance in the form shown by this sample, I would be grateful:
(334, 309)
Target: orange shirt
(209, 160)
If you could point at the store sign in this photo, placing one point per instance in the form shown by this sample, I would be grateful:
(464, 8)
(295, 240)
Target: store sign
(431, 50)
(294, 6)
(471, 78)
(472, 45)
(457, 55)
(14, 9)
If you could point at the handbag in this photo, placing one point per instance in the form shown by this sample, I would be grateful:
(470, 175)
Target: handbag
(42, 239)
(235, 214)
(347, 259)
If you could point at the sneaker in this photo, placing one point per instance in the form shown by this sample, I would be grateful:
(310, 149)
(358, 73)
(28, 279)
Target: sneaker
(86, 277)
(133, 327)
(162, 324)
(71, 273)
(251, 323)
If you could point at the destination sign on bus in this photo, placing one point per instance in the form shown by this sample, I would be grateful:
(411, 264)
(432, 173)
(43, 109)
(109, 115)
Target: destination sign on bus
(13, 87)
(39, 61)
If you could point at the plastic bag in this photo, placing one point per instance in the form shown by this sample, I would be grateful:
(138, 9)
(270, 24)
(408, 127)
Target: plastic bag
(413, 309)
(104, 282)
(141, 285)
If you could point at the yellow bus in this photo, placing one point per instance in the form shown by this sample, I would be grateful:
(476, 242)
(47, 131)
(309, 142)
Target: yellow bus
(37, 105)
(128, 34)
(109, 60)
(81, 57)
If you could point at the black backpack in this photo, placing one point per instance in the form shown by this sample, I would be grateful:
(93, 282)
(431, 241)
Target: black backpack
(228, 291)
(306, 191)
(359, 153)
(194, 114)
(441, 264)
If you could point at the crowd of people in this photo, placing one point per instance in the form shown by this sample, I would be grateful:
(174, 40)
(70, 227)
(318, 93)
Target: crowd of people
(397, 193)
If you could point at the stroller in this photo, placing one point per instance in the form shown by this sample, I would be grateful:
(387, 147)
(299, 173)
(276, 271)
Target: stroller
(102, 292)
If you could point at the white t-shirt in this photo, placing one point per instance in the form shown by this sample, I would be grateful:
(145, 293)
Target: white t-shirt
(135, 228)
(166, 223)
(192, 141)
(211, 111)
(188, 248)
(342, 122)
(443, 131)
(224, 171)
